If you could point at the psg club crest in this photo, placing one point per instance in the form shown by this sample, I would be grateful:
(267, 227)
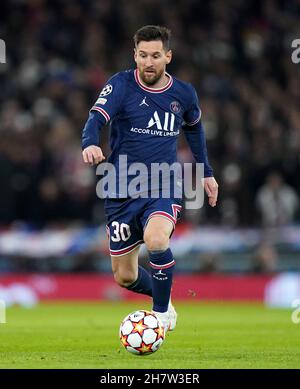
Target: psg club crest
(175, 107)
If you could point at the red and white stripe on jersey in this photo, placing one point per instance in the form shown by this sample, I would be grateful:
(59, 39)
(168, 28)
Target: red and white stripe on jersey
(153, 90)
(195, 121)
(102, 111)
(126, 250)
(173, 218)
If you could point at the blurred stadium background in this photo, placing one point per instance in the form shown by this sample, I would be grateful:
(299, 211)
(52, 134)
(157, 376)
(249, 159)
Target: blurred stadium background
(238, 55)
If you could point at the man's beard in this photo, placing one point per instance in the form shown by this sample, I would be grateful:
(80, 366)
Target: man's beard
(150, 79)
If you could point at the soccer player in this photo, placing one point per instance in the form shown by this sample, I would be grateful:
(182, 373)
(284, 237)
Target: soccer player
(146, 108)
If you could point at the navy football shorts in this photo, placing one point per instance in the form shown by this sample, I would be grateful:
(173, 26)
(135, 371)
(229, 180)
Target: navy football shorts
(127, 219)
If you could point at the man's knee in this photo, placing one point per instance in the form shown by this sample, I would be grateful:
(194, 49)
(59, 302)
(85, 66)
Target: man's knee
(125, 278)
(156, 241)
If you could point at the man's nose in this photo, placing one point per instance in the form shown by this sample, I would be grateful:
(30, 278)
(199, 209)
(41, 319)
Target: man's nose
(148, 62)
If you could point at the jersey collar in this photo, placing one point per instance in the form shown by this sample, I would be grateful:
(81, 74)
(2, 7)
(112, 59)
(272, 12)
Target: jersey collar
(153, 90)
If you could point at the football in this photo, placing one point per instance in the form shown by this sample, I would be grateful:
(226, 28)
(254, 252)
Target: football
(141, 333)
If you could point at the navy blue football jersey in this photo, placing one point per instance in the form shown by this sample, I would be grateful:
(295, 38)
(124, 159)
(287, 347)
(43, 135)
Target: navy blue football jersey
(146, 122)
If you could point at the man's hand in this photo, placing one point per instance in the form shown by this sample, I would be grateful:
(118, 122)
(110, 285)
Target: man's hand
(92, 155)
(211, 189)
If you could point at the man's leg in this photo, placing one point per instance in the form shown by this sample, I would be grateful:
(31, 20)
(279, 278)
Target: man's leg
(156, 237)
(129, 274)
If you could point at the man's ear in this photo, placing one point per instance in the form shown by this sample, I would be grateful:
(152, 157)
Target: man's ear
(169, 55)
(135, 54)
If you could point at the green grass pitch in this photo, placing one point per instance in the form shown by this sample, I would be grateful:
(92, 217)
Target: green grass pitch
(85, 335)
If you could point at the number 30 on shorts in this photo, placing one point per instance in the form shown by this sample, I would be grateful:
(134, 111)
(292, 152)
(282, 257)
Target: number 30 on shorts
(121, 231)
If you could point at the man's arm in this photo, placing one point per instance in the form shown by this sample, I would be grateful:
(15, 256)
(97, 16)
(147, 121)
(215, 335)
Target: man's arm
(92, 153)
(101, 113)
(195, 137)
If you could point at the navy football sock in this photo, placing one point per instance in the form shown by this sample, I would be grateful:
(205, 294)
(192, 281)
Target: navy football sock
(162, 267)
(143, 283)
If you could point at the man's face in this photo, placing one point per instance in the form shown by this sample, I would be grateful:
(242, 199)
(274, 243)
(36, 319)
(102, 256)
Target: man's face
(151, 59)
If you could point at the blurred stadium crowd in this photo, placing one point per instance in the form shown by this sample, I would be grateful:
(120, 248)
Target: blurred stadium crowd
(237, 54)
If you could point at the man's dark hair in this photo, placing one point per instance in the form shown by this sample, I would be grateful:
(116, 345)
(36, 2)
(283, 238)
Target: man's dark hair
(153, 33)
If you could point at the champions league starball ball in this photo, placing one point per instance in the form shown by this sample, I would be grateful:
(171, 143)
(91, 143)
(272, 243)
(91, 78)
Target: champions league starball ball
(141, 332)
